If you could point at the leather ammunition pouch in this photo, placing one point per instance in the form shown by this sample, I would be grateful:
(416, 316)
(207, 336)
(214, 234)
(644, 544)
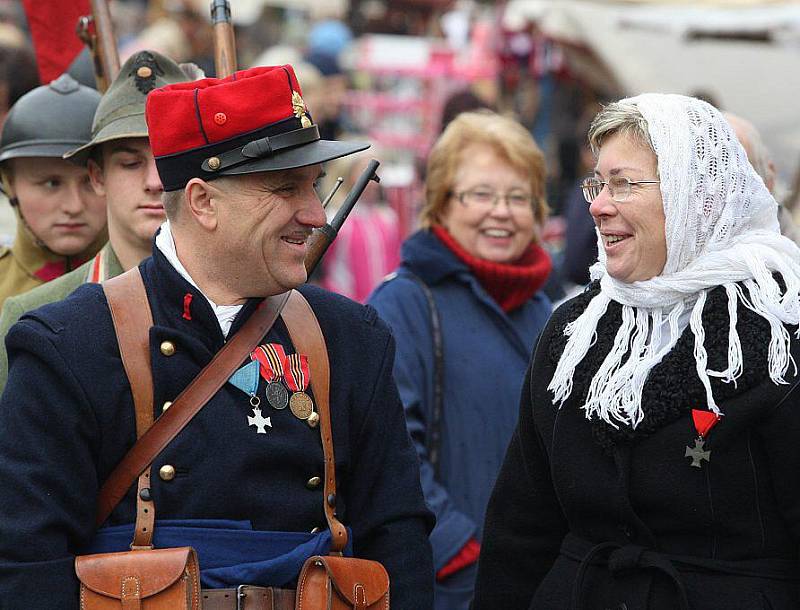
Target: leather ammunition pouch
(342, 583)
(158, 579)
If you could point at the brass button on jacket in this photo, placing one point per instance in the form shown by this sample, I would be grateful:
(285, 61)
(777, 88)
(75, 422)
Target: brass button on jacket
(166, 472)
(313, 482)
(167, 348)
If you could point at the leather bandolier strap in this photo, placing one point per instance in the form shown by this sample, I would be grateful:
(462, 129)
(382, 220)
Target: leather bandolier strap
(213, 376)
(130, 311)
(308, 339)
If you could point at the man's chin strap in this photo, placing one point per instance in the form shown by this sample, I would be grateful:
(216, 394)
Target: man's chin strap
(6, 187)
(39, 243)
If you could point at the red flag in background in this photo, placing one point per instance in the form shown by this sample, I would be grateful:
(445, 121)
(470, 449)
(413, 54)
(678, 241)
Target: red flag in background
(52, 24)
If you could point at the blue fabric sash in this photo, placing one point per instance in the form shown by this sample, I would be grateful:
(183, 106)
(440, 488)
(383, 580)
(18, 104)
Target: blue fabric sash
(230, 552)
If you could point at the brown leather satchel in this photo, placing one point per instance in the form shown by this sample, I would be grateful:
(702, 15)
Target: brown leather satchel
(342, 583)
(163, 579)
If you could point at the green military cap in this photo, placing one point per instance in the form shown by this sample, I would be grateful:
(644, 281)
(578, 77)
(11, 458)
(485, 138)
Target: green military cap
(121, 110)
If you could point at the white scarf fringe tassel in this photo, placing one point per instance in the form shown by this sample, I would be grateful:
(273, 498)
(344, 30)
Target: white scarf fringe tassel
(615, 392)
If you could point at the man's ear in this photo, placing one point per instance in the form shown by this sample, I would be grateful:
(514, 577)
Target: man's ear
(96, 177)
(201, 202)
(771, 172)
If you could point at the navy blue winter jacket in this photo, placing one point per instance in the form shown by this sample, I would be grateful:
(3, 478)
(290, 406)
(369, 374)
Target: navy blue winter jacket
(486, 353)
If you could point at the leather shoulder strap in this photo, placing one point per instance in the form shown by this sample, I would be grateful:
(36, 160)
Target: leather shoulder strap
(130, 311)
(187, 405)
(308, 339)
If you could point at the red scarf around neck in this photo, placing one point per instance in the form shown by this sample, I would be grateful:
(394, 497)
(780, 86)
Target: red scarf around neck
(509, 284)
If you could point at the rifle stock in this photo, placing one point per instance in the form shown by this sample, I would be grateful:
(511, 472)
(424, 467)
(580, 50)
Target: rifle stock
(109, 56)
(224, 41)
(97, 33)
(323, 237)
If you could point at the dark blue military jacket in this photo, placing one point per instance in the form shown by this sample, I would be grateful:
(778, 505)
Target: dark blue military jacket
(67, 418)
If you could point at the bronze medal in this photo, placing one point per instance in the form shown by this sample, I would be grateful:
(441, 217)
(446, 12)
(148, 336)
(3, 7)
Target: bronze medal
(301, 405)
(277, 395)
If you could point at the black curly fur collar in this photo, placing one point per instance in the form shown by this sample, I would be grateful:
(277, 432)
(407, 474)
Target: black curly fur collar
(672, 387)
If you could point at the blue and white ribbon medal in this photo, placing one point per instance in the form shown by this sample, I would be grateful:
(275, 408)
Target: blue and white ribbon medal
(246, 379)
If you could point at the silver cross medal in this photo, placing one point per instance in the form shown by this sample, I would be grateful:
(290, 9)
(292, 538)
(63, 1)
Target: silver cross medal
(258, 421)
(698, 453)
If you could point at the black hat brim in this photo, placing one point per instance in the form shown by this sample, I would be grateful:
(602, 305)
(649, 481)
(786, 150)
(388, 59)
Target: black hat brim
(319, 151)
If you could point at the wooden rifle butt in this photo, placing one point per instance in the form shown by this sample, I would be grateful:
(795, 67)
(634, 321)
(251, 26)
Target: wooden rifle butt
(317, 245)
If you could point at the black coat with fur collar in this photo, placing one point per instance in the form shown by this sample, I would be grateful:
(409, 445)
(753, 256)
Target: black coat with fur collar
(586, 516)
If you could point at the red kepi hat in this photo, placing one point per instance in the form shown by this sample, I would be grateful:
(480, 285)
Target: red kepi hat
(253, 121)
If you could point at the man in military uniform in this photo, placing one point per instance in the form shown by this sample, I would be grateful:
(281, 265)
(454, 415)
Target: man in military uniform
(122, 169)
(61, 221)
(240, 158)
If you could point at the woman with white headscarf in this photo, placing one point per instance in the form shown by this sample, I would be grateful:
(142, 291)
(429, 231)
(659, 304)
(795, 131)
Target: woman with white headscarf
(656, 463)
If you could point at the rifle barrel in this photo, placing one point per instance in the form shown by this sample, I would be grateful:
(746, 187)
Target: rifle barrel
(352, 197)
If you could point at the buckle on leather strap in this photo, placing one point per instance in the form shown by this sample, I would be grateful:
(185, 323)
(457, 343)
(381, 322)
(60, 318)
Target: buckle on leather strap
(240, 595)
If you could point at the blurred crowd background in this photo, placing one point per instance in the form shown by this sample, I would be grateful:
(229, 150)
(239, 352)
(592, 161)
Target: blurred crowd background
(395, 72)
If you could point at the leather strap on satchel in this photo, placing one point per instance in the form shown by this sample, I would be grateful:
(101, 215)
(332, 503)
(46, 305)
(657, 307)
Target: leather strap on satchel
(130, 311)
(189, 402)
(307, 338)
(132, 319)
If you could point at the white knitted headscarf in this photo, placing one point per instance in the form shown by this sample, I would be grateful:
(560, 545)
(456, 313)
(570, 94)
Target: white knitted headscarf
(721, 228)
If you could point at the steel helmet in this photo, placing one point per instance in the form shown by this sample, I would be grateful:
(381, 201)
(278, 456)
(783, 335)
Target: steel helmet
(49, 120)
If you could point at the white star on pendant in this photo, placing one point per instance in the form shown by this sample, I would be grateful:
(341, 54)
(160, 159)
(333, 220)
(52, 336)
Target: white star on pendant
(258, 421)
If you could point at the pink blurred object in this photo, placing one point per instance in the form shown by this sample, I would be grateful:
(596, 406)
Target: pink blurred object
(365, 251)
(554, 229)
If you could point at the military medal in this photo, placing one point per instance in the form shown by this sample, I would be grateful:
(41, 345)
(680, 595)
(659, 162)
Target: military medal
(297, 378)
(272, 359)
(277, 395)
(246, 379)
(703, 422)
(259, 421)
(301, 405)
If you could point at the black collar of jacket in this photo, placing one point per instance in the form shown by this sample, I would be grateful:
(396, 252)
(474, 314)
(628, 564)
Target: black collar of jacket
(673, 387)
(170, 307)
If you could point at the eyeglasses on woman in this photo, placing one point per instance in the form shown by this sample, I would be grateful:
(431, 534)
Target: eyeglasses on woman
(486, 199)
(619, 187)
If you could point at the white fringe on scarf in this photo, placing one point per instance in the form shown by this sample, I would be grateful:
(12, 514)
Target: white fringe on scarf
(737, 242)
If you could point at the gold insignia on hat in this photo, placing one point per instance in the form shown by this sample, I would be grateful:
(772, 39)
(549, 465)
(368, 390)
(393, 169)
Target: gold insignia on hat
(213, 164)
(299, 109)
